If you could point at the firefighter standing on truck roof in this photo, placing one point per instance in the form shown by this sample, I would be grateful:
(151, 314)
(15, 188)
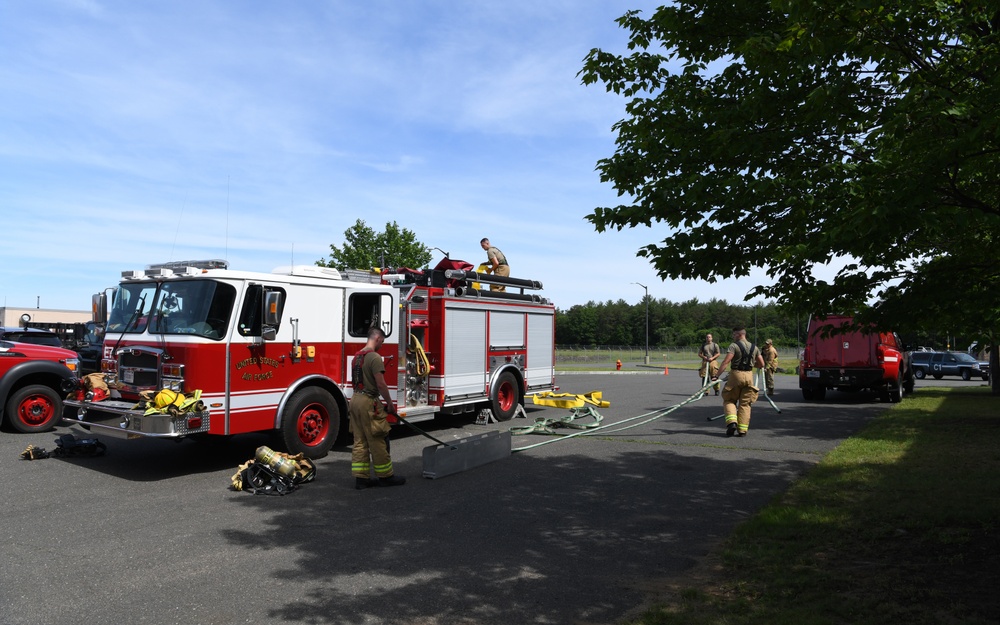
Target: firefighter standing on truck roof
(368, 417)
(496, 263)
(739, 394)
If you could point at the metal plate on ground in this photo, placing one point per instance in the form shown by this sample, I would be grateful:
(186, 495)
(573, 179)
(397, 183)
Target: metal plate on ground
(466, 453)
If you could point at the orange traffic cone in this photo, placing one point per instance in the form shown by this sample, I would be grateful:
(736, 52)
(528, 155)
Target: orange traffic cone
(666, 370)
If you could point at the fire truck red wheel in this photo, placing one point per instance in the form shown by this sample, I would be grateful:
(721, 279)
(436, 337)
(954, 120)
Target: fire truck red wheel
(310, 423)
(506, 397)
(34, 408)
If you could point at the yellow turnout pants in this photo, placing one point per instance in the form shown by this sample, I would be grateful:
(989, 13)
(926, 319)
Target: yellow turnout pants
(738, 395)
(370, 429)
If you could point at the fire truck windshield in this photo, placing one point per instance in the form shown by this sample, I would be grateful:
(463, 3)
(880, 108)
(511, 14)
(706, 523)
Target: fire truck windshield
(200, 307)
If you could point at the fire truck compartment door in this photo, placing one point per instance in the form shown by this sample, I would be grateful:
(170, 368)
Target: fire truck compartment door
(540, 365)
(465, 352)
(506, 330)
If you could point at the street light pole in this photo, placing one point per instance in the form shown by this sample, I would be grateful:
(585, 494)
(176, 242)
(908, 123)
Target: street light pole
(647, 318)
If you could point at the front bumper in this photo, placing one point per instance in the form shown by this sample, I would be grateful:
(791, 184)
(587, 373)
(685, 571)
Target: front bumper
(120, 419)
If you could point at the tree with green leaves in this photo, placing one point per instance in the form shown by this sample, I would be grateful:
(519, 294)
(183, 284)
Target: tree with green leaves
(364, 248)
(808, 137)
(672, 324)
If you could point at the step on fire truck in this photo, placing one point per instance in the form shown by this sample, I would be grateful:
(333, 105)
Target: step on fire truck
(273, 351)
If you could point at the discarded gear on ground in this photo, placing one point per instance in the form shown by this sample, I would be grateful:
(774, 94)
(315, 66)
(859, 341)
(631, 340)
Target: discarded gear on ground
(67, 446)
(272, 472)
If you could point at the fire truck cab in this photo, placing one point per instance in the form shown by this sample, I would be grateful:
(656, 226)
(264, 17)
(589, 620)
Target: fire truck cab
(272, 351)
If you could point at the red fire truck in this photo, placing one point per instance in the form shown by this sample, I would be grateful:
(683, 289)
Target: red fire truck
(272, 351)
(847, 359)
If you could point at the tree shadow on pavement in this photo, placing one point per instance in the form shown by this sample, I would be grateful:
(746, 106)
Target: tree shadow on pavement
(530, 539)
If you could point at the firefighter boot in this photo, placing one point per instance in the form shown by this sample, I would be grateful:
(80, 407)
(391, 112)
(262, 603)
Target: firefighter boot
(361, 483)
(731, 426)
(392, 480)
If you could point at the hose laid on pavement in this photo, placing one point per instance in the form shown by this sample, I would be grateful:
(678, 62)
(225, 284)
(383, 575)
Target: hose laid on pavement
(649, 417)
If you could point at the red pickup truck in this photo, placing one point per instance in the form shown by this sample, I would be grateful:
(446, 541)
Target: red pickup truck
(852, 360)
(33, 380)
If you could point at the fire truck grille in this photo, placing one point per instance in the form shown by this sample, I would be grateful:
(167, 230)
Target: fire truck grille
(145, 379)
(139, 370)
(139, 361)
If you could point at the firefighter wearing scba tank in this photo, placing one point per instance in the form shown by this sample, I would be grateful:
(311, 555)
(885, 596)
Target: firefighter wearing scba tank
(368, 417)
(739, 393)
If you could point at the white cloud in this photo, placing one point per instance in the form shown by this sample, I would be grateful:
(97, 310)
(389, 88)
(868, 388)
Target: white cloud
(134, 133)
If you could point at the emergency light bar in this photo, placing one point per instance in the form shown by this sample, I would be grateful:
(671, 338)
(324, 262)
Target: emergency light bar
(186, 265)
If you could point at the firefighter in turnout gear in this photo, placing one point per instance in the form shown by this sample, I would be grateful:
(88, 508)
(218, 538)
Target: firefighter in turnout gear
(770, 365)
(368, 417)
(739, 393)
(709, 354)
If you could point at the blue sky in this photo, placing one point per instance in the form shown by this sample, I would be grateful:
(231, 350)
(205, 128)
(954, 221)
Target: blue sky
(259, 131)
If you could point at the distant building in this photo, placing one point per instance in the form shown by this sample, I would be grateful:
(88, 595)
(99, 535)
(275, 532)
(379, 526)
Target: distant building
(10, 316)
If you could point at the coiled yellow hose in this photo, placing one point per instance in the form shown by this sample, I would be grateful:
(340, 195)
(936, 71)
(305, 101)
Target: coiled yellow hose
(423, 364)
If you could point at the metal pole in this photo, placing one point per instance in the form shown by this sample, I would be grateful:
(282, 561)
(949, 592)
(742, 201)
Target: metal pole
(646, 297)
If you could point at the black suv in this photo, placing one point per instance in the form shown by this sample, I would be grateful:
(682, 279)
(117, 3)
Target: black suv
(30, 335)
(940, 364)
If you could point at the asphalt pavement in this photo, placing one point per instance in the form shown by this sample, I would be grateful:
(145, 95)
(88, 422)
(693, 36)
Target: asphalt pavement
(577, 531)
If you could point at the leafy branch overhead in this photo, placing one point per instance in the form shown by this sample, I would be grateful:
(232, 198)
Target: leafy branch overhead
(364, 248)
(797, 134)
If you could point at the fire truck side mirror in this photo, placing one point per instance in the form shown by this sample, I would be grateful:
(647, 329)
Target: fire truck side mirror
(272, 315)
(99, 307)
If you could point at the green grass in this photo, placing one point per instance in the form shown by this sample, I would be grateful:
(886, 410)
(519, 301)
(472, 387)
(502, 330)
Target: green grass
(899, 524)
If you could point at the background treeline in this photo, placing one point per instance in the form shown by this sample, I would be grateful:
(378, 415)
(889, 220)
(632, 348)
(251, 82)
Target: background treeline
(673, 324)
(685, 324)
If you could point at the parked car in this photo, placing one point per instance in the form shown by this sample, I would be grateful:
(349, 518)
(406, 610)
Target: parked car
(33, 380)
(920, 363)
(853, 360)
(30, 335)
(940, 364)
